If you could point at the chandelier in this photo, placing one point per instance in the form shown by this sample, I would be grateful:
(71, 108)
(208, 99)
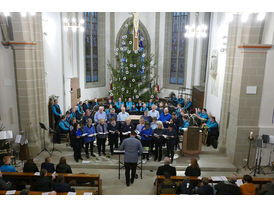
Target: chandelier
(74, 24)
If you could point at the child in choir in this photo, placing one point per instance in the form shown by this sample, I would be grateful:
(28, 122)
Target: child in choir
(89, 138)
(101, 136)
(146, 136)
(113, 131)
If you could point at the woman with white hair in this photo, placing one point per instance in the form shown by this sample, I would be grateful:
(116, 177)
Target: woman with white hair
(158, 140)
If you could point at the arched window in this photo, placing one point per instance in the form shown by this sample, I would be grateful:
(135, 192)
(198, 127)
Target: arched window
(144, 39)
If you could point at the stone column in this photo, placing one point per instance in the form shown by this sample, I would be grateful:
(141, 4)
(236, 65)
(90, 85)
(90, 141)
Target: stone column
(244, 67)
(30, 77)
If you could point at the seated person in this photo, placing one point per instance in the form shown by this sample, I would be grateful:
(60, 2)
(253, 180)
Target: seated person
(110, 102)
(204, 188)
(185, 123)
(202, 116)
(166, 168)
(100, 115)
(112, 114)
(122, 115)
(44, 183)
(188, 104)
(109, 108)
(154, 123)
(268, 189)
(133, 109)
(63, 128)
(48, 165)
(193, 169)
(186, 187)
(181, 101)
(177, 121)
(119, 103)
(86, 106)
(79, 111)
(150, 103)
(165, 117)
(6, 167)
(63, 167)
(30, 166)
(86, 117)
(68, 116)
(139, 105)
(153, 112)
(167, 186)
(61, 185)
(160, 109)
(228, 187)
(178, 110)
(143, 108)
(129, 104)
(5, 185)
(141, 124)
(95, 103)
(146, 117)
(248, 188)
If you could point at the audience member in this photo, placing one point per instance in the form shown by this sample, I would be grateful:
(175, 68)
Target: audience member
(48, 165)
(228, 187)
(4, 185)
(193, 169)
(204, 188)
(61, 185)
(267, 189)
(63, 167)
(44, 183)
(166, 169)
(186, 187)
(30, 166)
(6, 167)
(248, 188)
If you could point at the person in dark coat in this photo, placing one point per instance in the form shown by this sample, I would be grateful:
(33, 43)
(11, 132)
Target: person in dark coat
(30, 166)
(44, 183)
(4, 185)
(63, 167)
(193, 169)
(158, 140)
(268, 189)
(61, 185)
(76, 139)
(228, 187)
(113, 131)
(166, 169)
(204, 188)
(48, 165)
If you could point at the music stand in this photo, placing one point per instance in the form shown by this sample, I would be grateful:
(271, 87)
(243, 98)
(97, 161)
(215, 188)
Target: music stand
(257, 168)
(42, 126)
(53, 148)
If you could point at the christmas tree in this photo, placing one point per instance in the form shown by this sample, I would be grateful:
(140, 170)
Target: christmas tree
(132, 77)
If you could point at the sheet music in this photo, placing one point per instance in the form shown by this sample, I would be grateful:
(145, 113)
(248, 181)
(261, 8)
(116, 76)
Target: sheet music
(224, 178)
(45, 193)
(92, 135)
(6, 135)
(239, 182)
(85, 162)
(18, 138)
(71, 193)
(10, 192)
(87, 193)
(217, 178)
(85, 134)
(125, 133)
(37, 173)
(102, 133)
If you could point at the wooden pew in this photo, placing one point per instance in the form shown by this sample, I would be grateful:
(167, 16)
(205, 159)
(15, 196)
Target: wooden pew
(86, 180)
(256, 180)
(78, 192)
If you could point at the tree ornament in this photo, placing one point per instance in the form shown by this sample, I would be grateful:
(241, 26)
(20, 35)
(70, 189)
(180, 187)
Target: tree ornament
(137, 96)
(114, 88)
(133, 80)
(121, 48)
(135, 51)
(124, 78)
(135, 90)
(152, 96)
(134, 65)
(130, 42)
(143, 67)
(125, 36)
(128, 51)
(131, 65)
(111, 94)
(127, 91)
(123, 89)
(143, 55)
(117, 49)
(127, 72)
(116, 53)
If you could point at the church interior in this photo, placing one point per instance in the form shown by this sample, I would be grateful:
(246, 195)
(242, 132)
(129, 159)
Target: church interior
(206, 76)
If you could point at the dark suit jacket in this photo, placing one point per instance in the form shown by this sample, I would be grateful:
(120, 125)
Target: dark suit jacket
(48, 166)
(44, 184)
(30, 167)
(63, 168)
(227, 188)
(192, 171)
(162, 170)
(205, 190)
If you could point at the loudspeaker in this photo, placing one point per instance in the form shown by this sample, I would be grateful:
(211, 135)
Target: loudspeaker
(265, 138)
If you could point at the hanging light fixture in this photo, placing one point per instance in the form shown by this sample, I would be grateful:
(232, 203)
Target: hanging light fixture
(72, 24)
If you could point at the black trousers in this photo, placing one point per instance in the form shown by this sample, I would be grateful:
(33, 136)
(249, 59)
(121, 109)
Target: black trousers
(77, 149)
(146, 143)
(56, 121)
(90, 144)
(158, 149)
(128, 167)
(101, 145)
(113, 141)
(170, 149)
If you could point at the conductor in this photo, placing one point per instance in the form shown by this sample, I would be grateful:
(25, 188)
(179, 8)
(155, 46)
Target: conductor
(133, 148)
